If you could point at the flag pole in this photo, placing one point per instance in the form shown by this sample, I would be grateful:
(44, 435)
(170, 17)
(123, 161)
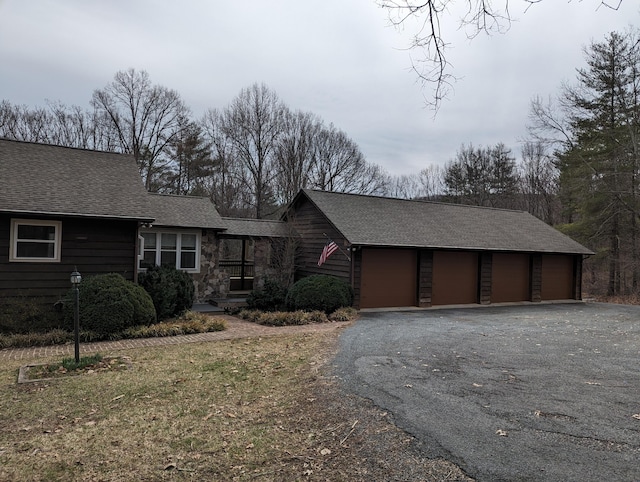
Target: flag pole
(345, 254)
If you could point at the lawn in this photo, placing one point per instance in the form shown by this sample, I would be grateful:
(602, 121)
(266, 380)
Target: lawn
(249, 409)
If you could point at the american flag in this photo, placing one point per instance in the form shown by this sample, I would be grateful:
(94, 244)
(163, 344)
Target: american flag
(329, 248)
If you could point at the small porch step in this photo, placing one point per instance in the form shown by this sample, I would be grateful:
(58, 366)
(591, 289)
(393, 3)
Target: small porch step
(229, 303)
(206, 308)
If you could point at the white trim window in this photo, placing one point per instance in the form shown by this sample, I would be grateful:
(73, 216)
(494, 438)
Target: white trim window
(175, 248)
(35, 241)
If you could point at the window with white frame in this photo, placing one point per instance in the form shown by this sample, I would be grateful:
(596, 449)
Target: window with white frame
(179, 249)
(35, 241)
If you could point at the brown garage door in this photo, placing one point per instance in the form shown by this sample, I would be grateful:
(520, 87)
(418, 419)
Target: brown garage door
(557, 277)
(510, 278)
(455, 278)
(389, 277)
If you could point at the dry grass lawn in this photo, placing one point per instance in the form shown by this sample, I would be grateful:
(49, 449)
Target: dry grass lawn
(252, 409)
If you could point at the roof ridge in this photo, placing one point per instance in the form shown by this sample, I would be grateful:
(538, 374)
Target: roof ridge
(189, 196)
(60, 146)
(424, 201)
(230, 218)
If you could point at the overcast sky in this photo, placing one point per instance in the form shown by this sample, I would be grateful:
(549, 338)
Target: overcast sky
(339, 59)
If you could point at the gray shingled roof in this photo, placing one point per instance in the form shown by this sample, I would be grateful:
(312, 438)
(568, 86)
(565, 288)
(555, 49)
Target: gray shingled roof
(256, 228)
(46, 179)
(378, 221)
(184, 212)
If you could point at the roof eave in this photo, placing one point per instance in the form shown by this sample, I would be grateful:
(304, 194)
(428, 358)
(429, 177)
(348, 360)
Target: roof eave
(141, 218)
(470, 248)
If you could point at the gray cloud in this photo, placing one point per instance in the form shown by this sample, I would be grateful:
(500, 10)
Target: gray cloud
(340, 60)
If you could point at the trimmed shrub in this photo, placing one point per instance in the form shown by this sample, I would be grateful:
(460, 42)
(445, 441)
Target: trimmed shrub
(270, 298)
(319, 292)
(170, 289)
(109, 304)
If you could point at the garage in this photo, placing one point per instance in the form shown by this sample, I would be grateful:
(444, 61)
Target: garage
(399, 252)
(557, 277)
(510, 278)
(389, 277)
(455, 278)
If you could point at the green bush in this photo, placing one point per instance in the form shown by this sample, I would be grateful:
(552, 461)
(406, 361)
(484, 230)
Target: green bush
(319, 292)
(270, 298)
(109, 304)
(170, 289)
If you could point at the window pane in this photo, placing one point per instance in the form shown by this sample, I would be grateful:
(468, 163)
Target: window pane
(188, 260)
(168, 257)
(46, 233)
(189, 242)
(169, 241)
(149, 240)
(148, 260)
(35, 250)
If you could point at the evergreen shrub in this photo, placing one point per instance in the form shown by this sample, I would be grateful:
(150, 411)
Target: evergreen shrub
(170, 289)
(109, 304)
(270, 298)
(319, 292)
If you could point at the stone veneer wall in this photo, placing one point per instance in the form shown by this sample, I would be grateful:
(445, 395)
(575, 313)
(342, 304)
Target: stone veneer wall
(211, 282)
(261, 269)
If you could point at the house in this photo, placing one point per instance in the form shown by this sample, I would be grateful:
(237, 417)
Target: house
(184, 234)
(255, 249)
(225, 256)
(398, 252)
(62, 208)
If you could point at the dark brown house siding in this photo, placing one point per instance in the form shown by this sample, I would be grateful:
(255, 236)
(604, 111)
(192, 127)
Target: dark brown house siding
(312, 226)
(94, 246)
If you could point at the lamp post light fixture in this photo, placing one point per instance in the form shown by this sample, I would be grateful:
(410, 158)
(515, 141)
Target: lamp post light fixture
(76, 278)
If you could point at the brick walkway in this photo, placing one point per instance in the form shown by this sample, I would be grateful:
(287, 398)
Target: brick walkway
(236, 328)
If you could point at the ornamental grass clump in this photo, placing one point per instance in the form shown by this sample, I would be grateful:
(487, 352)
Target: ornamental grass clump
(283, 318)
(189, 323)
(346, 313)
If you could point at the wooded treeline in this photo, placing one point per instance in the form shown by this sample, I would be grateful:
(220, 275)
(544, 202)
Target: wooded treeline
(578, 171)
(252, 156)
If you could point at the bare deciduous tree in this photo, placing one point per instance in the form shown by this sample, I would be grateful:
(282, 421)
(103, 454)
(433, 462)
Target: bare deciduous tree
(482, 176)
(253, 125)
(295, 153)
(476, 17)
(539, 182)
(339, 163)
(144, 118)
(223, 179)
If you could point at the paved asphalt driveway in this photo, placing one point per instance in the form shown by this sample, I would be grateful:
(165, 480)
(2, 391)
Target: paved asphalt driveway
(542, 392)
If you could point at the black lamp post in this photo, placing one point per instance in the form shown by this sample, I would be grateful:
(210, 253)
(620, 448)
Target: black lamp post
(76, 278)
